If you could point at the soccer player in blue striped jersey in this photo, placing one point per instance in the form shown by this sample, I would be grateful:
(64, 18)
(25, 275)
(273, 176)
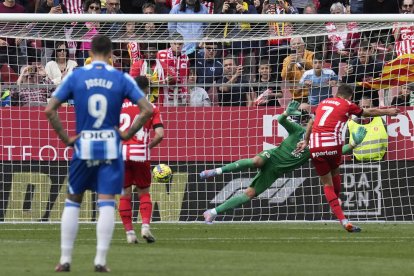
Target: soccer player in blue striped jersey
(98, 91)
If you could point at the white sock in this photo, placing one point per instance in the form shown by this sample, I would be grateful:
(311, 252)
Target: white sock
(104, 229)
(213, 211)
(219, 171)
(69, 230)
(344, 222)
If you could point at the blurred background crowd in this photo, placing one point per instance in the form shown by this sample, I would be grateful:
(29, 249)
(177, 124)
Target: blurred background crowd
(263, 72)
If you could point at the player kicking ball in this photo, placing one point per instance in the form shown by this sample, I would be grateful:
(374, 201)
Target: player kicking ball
(273, 163)
(324, 133)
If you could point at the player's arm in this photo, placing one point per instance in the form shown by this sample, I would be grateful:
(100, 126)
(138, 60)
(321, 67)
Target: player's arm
(303, 144)
(53, 117)
(291, 109)
(158, 137)
(61, 94)
(145, 108)
(372, 112)
(358, 137)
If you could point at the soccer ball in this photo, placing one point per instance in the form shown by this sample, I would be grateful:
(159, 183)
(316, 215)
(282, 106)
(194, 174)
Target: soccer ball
(162, 173)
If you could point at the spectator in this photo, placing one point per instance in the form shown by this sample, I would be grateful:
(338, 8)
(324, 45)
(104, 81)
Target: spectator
(91, 7)
(28, 5)
(189, 30)
(243, 50)
(380, 6)
(198, 96)
(404, 97)
(10, 6)
(375, 144)
(357, 6)
(32, 95)
(208, 66)
(74, 6)
(299, 5)
(276, 50)
(113, 7)
(48, 46)
(343, 39)
(258, 4)
(319, 80)
(153, 30)
(132, 6)
(363, 68)
(147, 65)
(47, 6)
(294, 66)
(406, 6)
(175, 66)
(267, 92)
(314, 43)
(9, 46)
(60, 65)
(325, 5)
(403, 32)
(161, 7)
(238, 95)
(149, 8)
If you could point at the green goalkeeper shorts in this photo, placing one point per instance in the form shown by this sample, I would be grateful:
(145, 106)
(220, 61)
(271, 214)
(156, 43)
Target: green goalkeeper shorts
(267, 174)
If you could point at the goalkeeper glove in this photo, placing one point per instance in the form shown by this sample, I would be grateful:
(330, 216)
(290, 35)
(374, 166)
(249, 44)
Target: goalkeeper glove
(292, 108)
(358, 136)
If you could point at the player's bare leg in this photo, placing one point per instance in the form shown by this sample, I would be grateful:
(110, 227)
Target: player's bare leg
(104, 230)
(125, 212)
(145, 209)
(240, 165)
(333, 200)
(231, 203)
(69, 230)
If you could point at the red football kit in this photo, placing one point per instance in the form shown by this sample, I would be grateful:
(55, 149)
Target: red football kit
(136, 151)
(325, 144)
(177, 68)
(404, 43)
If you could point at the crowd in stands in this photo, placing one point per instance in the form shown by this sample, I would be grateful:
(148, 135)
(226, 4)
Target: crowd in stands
(235, 73)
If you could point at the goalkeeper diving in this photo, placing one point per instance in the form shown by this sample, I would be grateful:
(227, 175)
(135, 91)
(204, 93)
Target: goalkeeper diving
(273, 163)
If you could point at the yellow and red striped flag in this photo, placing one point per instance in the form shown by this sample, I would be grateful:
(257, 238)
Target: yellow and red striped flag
(397, 72)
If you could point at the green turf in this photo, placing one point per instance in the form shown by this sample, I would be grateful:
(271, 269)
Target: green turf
(220, 249)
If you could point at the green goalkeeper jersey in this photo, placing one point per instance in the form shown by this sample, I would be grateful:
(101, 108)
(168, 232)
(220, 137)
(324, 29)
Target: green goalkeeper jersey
(283, 158)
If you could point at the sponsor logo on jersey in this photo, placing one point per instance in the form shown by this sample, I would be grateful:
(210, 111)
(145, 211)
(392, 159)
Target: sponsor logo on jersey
(97, 135)
(324, 153)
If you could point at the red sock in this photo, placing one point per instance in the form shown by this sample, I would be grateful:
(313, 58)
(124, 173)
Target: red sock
(125, 211)
(145, 208)
(337, 185)
(333, 202)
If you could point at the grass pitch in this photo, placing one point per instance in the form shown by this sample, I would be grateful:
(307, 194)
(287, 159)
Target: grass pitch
(219, 249)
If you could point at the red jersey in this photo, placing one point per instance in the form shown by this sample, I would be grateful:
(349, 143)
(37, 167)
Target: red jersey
(136, 149)
(404, 43)
(331, 116)
(73, 6)
(177, 68)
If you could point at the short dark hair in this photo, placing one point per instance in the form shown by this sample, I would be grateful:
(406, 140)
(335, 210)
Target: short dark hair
(364, 45)
(89, 2)
(345, 90)
(55, 50)
(148, 5)
(318, 56)
(265, 61)
(142, 82)
(101, 45)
